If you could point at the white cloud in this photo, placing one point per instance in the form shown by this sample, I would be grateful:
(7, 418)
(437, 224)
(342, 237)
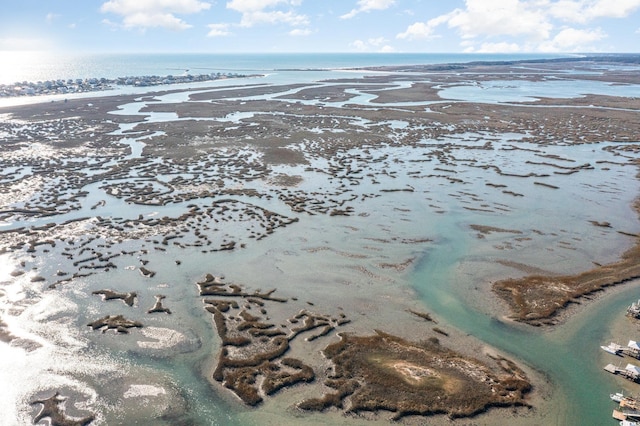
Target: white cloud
(488, 19)
(110, 24)
(368, 6)
(377, 44)
(524, 25)
(568, 10)
(421, 30)
(298, 32)
(154, 13)
(218, 30)
(377, 41)
(496, 18)
(273, 17)
(501, 47)
(359, 45)
(153, 20)
(573, 40)
(243, 6)
(254, 12)
(127, 7)
(616, 9)
(570, 37)
(51, 17)
(584, 11)
(416, 31)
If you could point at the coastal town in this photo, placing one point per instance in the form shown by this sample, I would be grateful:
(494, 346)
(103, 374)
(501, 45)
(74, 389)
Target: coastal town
(65, 86)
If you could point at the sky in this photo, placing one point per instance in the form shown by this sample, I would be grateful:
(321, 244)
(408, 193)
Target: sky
(320, 26)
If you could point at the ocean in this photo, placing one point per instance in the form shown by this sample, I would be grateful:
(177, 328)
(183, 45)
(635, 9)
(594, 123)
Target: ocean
(43, 66)
(412, 208)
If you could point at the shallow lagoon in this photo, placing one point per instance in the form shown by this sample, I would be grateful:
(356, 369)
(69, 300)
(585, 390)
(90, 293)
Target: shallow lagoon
(335, 262)
(527, 91)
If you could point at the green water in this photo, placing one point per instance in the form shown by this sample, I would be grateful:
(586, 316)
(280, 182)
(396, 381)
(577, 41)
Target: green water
(336, 261)
(568, 355)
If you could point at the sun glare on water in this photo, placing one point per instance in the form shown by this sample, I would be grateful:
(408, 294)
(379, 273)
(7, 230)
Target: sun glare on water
(6, 267)
(40, 348)
(22, 65)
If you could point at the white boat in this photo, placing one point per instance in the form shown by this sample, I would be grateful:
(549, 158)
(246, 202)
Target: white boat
(634, 309)
(617, 397)
(612, 348)
(628, 423)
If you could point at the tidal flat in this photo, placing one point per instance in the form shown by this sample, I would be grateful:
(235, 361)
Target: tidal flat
(353, 247)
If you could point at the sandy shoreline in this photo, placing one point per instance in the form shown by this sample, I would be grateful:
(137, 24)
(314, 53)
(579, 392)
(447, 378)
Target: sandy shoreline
(166, 186)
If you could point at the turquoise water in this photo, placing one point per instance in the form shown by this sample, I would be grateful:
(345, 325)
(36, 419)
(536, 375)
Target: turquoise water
(569, 355)
(528, 91)
(42, 66)
(570, 358)
(325, 259)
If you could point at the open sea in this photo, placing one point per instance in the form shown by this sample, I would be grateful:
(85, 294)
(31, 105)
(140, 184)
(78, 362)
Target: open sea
(442, 280)
(42, 66)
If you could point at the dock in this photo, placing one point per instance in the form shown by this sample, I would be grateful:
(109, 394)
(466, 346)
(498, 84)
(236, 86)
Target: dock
(628, 411)
(629, 407)
(630, 372)
(634, 309)
(632, 349)
(626, 415)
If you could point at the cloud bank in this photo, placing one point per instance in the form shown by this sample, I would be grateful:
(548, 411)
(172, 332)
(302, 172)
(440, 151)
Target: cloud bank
(524, 25)
(368, 6)
(154, 13)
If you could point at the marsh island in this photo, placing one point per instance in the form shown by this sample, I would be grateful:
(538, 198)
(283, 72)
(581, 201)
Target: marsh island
(369, 245)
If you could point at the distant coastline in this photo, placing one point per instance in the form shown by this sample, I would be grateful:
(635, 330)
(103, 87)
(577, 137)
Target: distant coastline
(42, 66)
(71, 86)
(63, 86)
(621, 58)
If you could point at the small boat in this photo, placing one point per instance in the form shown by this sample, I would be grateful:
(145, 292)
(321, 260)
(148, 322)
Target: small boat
(634, 309)
(617, 397)
(612, 348)
(628, 423)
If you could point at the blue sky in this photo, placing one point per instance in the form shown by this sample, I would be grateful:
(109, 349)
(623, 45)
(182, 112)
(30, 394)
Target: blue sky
(224, 26)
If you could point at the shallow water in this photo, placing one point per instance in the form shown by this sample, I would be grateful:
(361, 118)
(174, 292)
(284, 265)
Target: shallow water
(42, 66)
(526, 91)
(335, 263)
(569, 357)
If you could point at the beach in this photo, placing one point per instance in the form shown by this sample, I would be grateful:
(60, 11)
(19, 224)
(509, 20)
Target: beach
(225, 254)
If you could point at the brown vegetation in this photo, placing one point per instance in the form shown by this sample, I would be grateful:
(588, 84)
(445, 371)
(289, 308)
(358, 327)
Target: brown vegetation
(127, 298)
(537, 299)
(385, 372)
(53, 409)
(251, 362)
(114, 322)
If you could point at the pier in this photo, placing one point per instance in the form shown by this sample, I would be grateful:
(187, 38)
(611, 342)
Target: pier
(632, 349)
(634, 309)
(630, 372)
(628, 410)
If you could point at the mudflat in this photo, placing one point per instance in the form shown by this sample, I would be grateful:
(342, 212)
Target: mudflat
(317, 202)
